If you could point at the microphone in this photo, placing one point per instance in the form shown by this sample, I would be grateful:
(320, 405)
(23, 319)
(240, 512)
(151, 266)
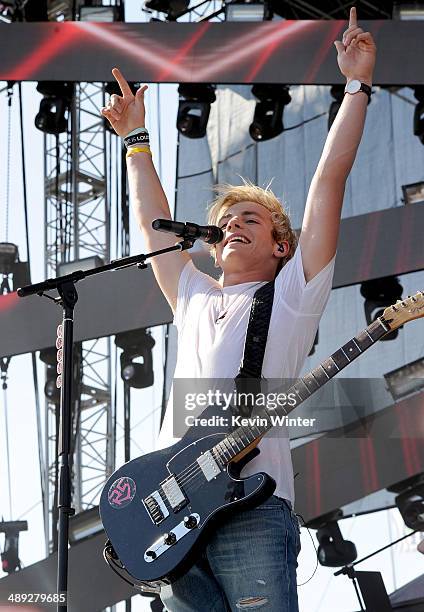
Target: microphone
(208, 233)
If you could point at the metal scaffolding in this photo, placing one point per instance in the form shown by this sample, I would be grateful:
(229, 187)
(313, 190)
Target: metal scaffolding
(77, 214)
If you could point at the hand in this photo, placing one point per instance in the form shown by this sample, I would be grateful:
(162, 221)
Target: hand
(356, 54)
(126, 112)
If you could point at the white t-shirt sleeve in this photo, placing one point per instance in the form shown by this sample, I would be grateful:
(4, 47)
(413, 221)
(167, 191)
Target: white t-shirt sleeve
(301, 297)
(193, 285)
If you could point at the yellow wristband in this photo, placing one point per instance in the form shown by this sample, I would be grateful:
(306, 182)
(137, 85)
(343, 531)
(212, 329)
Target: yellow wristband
(138, 150)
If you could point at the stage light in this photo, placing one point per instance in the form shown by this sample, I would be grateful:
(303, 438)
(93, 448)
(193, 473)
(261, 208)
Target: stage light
(52, 118)
(87, 263)
(408, 11)
(100, 13)
(413, 193)
(406, 380)
(172, 8)
(247, 11)
(268, 117)
(135, 344)
(194, 108)
(337, 92)
(380, 293)
(410, 502)
(333, 549)
(51, 391)
(84, 524)
(419, 113)
(10, 556)
(8, 256)
(10, 265)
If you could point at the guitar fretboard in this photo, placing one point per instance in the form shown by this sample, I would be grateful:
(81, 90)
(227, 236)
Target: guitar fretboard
(242, 437)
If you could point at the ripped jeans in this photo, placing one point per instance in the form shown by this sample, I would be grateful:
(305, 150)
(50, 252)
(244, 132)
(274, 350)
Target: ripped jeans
(249, 564)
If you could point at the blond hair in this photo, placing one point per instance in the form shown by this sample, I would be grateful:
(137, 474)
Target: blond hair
(227, 195)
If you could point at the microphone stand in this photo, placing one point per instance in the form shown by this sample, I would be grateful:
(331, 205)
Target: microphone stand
(68, 297)
(350, 572)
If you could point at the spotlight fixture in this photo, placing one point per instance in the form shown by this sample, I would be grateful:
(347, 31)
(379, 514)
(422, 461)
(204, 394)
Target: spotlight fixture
(135, 344)
(10, 265)
(10, 556)
(413, 193)
(87, 263)
(172, 8)
(380, 293)
(333, 549)
(419, 113)
(408, 11)
(52, 118)
(410, 503)
(194, 108)
(93, 10)
(337, 92)
(406, 380)
(84, 524)
(268, 117)
(240, 10)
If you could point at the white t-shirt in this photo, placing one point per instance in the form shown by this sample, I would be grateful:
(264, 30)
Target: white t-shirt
(213, 349)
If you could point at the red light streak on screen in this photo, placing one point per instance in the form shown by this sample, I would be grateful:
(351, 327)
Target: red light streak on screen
(50, 47)
(409, 449)
(326, 47)
(368, 465)
(287, 30)
(313, 471)
(8, 301)
(180, 56)
(248, 46)
(146, 53)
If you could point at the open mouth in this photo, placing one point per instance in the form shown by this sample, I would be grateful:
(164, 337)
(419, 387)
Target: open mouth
(237, 239)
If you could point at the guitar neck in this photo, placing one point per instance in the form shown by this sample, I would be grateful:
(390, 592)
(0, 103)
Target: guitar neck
(246, 435)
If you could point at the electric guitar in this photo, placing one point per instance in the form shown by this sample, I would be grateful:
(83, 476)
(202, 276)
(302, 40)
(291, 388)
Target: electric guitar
(158, 509)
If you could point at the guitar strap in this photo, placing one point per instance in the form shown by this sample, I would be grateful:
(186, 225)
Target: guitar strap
(255, 344)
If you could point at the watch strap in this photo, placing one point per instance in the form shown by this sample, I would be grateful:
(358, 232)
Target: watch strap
(365, 88)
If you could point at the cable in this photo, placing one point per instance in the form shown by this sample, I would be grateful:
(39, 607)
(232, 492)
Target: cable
(316, 550)
(159, 133)
(249, 146)
(9, 142)
(6, 423)
(33, 356)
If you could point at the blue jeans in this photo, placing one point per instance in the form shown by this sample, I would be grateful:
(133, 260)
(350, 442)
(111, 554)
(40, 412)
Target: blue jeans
(249, 564)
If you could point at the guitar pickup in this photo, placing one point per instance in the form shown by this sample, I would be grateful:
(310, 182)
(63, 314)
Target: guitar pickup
(156, 508)
(174, 493)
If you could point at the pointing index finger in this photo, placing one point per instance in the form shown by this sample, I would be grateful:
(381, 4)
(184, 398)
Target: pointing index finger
(125, 88)
(353, 20)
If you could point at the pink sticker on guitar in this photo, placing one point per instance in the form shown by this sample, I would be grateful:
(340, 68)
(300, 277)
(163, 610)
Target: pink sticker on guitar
(121, 493)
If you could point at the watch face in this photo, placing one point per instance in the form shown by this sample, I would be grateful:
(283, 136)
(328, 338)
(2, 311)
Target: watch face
(353, 86)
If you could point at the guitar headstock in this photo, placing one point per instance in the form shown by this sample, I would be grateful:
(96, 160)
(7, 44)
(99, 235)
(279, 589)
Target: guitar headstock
(405, 310)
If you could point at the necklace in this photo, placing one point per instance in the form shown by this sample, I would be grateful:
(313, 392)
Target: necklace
(223, 313)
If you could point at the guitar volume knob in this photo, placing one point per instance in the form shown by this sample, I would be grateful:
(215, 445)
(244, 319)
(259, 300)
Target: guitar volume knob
(190, 522)
(169, 538)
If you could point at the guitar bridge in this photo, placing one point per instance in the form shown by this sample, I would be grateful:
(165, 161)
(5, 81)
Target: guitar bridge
(155, 507)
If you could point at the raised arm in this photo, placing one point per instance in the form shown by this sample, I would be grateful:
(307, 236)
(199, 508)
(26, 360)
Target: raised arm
(126, 113)
(321, 222)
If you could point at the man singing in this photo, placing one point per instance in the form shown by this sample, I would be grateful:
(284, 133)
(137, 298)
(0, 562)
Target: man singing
(250, 561)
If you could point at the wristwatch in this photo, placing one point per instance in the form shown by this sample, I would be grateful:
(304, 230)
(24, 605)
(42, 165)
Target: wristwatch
(354, 86)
